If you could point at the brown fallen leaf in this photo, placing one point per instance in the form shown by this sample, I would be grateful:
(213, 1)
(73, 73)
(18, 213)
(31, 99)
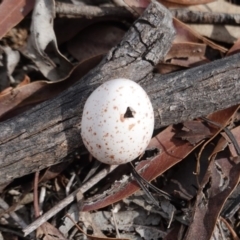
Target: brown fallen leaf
(17, 100)
(225, 141)
(165, 67)
(48, 232)
(184, 178)
(187, 34)
(235, 48)
(12, 13)
(194, 132)
(42, 46)
(220, 180)
(95, 40)
(186, 49)
(189, 49)
(53, 171)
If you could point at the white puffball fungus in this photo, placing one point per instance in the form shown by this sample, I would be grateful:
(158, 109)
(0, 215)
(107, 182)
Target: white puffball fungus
(117, 122)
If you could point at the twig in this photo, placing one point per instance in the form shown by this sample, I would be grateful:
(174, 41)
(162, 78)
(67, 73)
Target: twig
(41, 198)
(66, 201)
(227, 131)
(8, 230)
(35, 195)
(68, 187)
(13, 215)
(231, 230)
(185, 15)
(75, 11)
(115, 210)
(189, 16)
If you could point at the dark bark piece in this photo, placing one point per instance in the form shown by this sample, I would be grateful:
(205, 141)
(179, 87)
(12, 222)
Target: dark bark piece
(85, 11)
(196, 92)
(50, 132)
(189, 16)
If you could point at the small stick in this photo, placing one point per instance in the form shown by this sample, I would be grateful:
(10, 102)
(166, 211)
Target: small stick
(13, 215)
(74, 11)
(35, 195)
(189, 16)
(66, 201)
(228, 132)
(185, 15)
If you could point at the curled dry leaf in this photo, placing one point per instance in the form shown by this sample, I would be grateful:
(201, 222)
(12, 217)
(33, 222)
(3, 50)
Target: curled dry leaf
(235, 48)
(220, 180)
(194, 132)
(46, 231)
(12, 13)
(188, 49)
(42, 45)
(186, 33)
(95, 40)
(19, 99)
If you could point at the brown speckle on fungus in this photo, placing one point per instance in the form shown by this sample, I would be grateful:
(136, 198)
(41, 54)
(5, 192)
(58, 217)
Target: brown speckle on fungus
(106, 135)
(131, 126)
(115, 107)
(122, 117)
(98, 145)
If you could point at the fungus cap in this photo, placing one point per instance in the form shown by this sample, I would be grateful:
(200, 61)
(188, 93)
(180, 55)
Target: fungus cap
(117, 121)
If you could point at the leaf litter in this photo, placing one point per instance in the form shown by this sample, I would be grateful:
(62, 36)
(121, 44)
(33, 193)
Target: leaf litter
(194, 162)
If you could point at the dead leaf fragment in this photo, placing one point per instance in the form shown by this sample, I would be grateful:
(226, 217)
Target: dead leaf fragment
(95, 40)
(12, 13)
(48, 232)
(194, 132)
(25, 96)
(219, 181)
(42, 45)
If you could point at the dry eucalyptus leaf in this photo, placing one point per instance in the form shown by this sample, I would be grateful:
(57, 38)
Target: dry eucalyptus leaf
(12, 13)
(48, 232)
(42, 46)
